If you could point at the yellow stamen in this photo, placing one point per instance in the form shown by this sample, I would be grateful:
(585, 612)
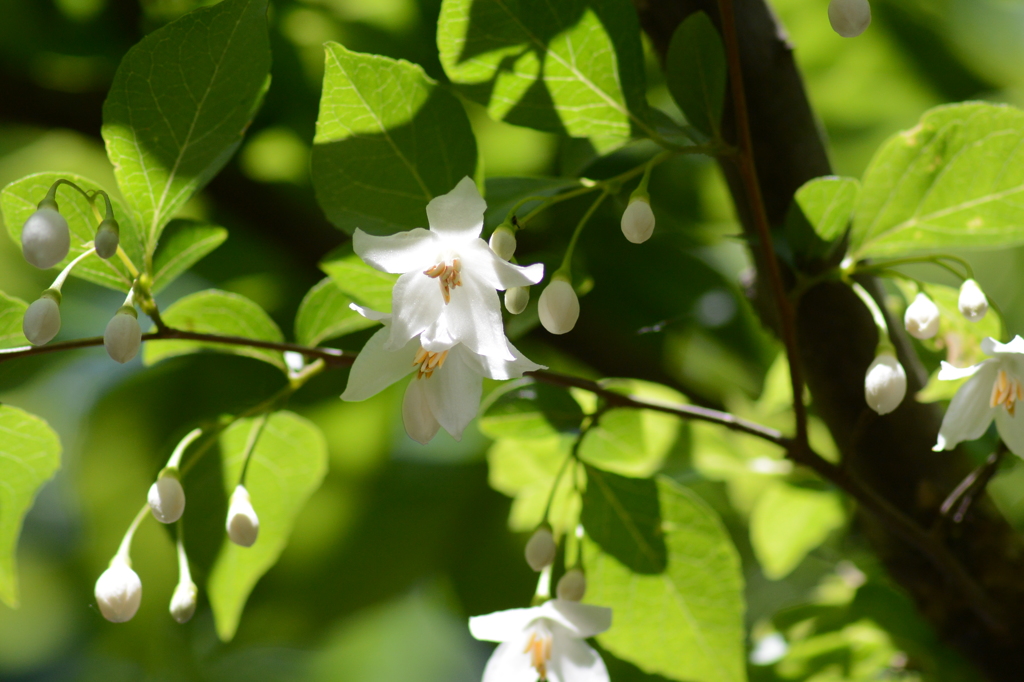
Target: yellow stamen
(428, 362)
(539, 648)
(447, 275)
(1006, 391)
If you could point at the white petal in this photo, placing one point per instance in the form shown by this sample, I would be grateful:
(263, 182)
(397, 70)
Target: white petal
(402, 252)
(370, 313)
(416, 303)
(500, 369)
(419, 422)
(509, 663)
(950, 372)
(581, 620)
(1011, 430)
(474, 318)
(969, 413)
(573, 660)
(499, 274)
(502, 626)
(438, 336)
(460, 213)
(991, 346)
(376, 368)
(454, 392)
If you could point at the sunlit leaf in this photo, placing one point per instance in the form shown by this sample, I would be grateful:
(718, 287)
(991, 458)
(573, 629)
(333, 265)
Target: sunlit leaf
(325, 314)
(184, 244)
(695, 72)
(12, 312)
(526, 409)
(365, 285)
(526, 470)
(788, 522)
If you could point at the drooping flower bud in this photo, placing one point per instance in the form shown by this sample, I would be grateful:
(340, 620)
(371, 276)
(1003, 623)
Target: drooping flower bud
(558, 306)
(516, 299)
(572, 585)
(45, 238)
(885, 383)
(540, 549)
(638, 220)
(118, 591)
(849, 18)
(972, 302)
(183, 601)
(503, 241)
(107, 238)
(243, 525)
(167, 497)
(123, 335)
(922, 317)
(42, 319)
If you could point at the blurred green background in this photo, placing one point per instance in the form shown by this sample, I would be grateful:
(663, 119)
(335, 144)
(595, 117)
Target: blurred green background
(403, 542)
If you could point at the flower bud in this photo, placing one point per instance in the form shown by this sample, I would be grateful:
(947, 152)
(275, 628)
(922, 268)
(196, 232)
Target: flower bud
(503, 242)
(972, 302)
(638, 220)
(849, 18)
(558, 306)
(516, 299)
(922, 318)
(45, 238)
(118, 591)
(183, 601)
(885, 384)
(572, 585)
(107, 238)
(243, 525)
(42, 319)
(123, 335)
(167, 497)
(540, 549)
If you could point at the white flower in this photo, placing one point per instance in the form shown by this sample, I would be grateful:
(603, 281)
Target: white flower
(45, 238)
(991, 392)
(118, 591)
(922, 318)
(446, 294)
(42, 319)
(885, 384)
(243, 525)
(849, 18)
(972, 302)
(559, 308)
(123, 335)
(166, 498)
(544, 642)
(638, 220)
(446, 389)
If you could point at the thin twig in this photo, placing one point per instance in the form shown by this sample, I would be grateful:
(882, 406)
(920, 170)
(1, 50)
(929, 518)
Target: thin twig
(972, 485)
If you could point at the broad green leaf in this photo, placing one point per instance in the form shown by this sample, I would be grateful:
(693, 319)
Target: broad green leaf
(575, 66)
(184, 244)
(365, 285)
(325, 314)
(29, 456)
(685, 622)
(623, 516)
(524, 409)
(222, 313)
(12, 312)
(954, 180)
(789, 521)
(505, 192)
(828, 204)
(695, 72)
(287, 465)
(388, 140)
(20, 199)
(180, 102)
(526, 470)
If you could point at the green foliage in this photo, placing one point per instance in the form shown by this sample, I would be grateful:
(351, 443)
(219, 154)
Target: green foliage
(684, 622)
(217, 312)
(789, 521)
(184, 244)
(12, 312)
(388, 140)
(819, 218)
(365, 285)
(525, 409)
(525, 470)
(286, 466)
(29, 456)
(325, 314)
(695, 72)
(180, 102)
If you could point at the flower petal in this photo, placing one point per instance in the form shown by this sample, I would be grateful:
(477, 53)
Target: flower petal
(474, 318)
(402, 252)
(950, 372)
(460, 213)
(419, 422)
(498, 273)
(991, 346)
(573, 660)
(509, 663)
(371, 314)
(1011, 430)
(376, 368)
(454, 392)
(500, 369)
(416, 303)
(581, 620)
(502, 626)
(969, 413)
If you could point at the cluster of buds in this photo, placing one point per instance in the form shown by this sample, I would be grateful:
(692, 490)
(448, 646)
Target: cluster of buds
(503, 244)
(540, 555)
(921, 319)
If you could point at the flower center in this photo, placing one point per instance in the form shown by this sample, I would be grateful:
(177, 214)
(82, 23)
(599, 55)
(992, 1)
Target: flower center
(428, 362)
(447, 275)
(1006, 392)
(539, 648)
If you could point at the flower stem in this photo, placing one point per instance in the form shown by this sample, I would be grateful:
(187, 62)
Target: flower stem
(566, 267)
(59, 282)
(179, 450)
(884, 344)
(125, 549)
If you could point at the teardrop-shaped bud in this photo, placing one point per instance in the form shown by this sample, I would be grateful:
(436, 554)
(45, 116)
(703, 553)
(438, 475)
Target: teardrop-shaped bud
(972, 302)
(572, 585)
(922, 318)
(558, 306)
(516, 299)
(167, 498)
(638, 220)
(123, 335)
(243, 525)
(503, 242)
(118, 592)
(849, 18)
(183, 601)
(107, 238)
(45, 238)
(540, 549)
(42, 319)
(885, 384)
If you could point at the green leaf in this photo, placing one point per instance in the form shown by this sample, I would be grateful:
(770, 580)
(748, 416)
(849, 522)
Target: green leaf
(20, 199)
(527, 409)
(525, 470)
(180, 103)
(505, 192)
(222, 313)
(365, 285)
(686, 621)
(29, 456)
(184, 244)
(828, 204)
(954, 180)
(788, 522)
(574, 67)
(287, 465)
(325, 314)
(695, 72)
(12, 312)
(388, 140)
